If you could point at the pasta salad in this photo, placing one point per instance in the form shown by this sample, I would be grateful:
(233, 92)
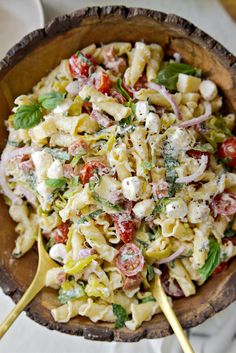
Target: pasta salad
(124, 161)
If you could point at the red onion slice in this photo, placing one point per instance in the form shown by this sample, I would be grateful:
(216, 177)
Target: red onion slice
(101, 118)
(188, 179)
(6, 155)
(200, 119)
(167, 96)
(172, 257)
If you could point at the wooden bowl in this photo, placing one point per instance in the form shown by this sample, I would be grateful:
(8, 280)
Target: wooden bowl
(34, 57)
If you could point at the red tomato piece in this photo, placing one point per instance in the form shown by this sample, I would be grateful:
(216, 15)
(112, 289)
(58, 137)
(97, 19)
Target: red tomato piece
(224, 204)
(61, 233)
(221, 267)
(133, 282)
(130, 260)
(80, 65)
(125, 227)
(198, 154)
(78, 147)
(174, 289)
(225, 240)
(103, 83)
(227, 151)
(89, 169)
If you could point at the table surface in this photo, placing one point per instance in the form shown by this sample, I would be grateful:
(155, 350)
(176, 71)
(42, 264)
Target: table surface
(26, 336)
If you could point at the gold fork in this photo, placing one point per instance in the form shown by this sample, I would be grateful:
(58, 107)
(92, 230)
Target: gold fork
(169, 313)
(44, 264)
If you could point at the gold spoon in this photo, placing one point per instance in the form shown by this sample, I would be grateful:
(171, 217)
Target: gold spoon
(169, 313)
(44, 264)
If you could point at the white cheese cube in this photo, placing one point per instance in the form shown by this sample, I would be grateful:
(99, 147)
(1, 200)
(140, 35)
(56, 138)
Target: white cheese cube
(208, 90)
(198, 212)
(176, 209)
(180, 139)
(144, 208)
(141, 110)
(58, 252)
(132, 188)
(42, 162)
(55, 171)
(188, 83)
(153, 123)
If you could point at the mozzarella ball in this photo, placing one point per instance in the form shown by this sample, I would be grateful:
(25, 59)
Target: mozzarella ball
(198, 212)
(141, 110)
(153, 123)
(58, 252)
(132, 188)
(176, 209)
(144, 208)
(180, 139)
(208, 90)
(55, 171)
(42, 161)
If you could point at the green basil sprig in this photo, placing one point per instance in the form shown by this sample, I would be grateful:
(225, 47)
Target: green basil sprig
(50, 100)
(121, 90)
(121, 314)
(27, 116)
(212, 261)
(168, 76)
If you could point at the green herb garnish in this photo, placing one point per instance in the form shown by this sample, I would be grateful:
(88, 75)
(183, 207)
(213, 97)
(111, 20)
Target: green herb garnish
(148, 299)
(56, 183)
(91, 215)
(74, 291)
(170, 164)
(150, 273)
(168, 76)
(27, 116)
(212, 260)
(121, 90)
(50, 100)
(121, 314)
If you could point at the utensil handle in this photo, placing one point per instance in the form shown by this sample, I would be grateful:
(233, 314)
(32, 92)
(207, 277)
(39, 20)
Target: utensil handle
(31, 292)
(173, 321)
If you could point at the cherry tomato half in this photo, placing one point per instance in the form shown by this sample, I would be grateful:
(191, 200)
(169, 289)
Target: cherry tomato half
(224, 204)
(221, 267)
(125, 228)
(103, 83)
(61, 233)
(198, 154)
(173, 289)
(80, 65)
(130, 260)
(89, 169)
(227, 151)
(225, 240)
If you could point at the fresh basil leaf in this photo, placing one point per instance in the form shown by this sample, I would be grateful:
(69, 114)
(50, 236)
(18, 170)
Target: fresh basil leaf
(161, 205)
(58, 153)
(27, 116)
(50, 100)
(148, 299)
(212, 260)
(207, 147)
(150, 273)
(121, 90)
(168, 76)
(121, 314)
(76, 291)
(56, 183)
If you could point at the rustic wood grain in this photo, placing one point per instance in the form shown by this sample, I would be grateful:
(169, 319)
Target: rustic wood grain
(32, 58)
